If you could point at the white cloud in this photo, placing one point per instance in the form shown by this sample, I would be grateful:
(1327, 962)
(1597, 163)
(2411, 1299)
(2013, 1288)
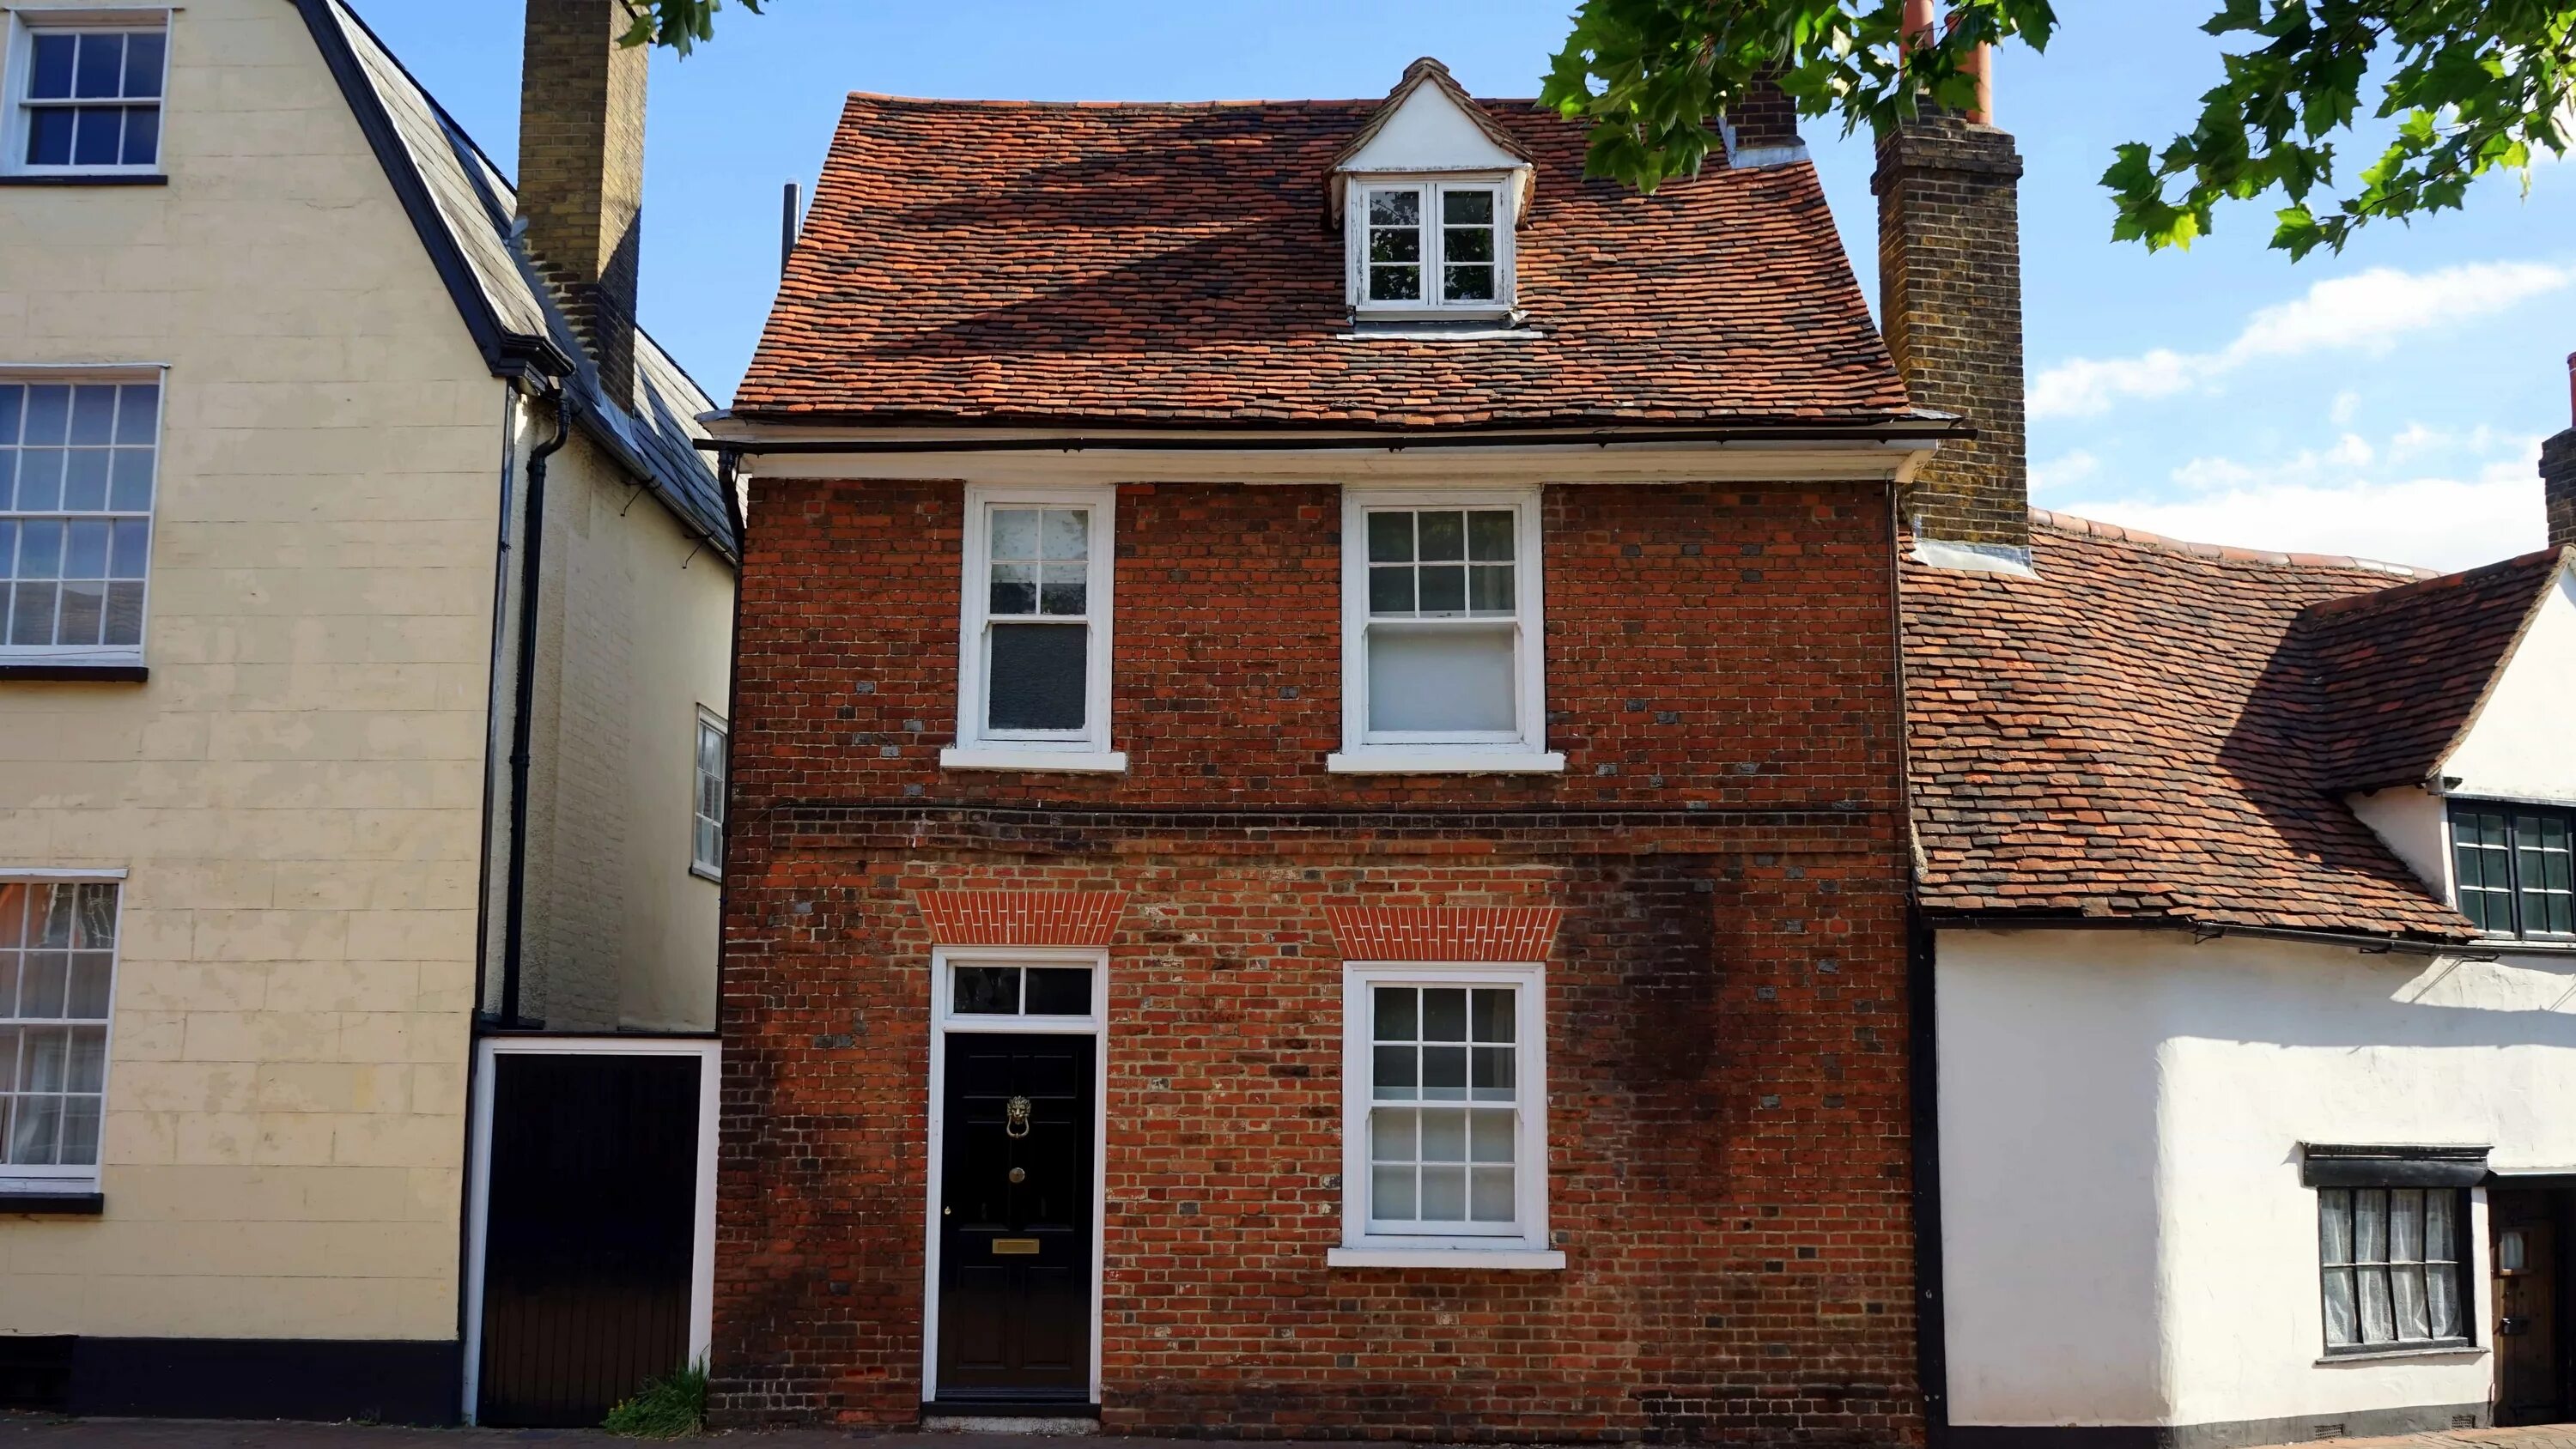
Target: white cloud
(2063, 471)
(2347, 406)
(2314, 502)
(2368, 313)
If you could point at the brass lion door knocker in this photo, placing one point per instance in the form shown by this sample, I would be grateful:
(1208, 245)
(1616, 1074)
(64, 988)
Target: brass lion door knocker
(1015, 1117)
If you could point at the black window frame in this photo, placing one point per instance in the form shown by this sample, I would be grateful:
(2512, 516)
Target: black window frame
(2461, 1263)
(2514, 814)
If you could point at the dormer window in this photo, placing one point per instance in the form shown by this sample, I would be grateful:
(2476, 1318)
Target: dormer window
(1433, 246)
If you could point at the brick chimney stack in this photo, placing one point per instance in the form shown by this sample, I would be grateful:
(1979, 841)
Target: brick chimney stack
(581, 172)
(1949, 281)
(2558, 473)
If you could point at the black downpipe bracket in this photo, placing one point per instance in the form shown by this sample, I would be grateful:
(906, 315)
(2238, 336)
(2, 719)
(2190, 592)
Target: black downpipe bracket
(523, 704)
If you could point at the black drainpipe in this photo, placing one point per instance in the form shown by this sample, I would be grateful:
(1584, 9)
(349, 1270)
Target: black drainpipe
(524, 689)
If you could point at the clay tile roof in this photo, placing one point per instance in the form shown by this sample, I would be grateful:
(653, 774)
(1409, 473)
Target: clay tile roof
(1139, 264)
(2159, 730)
(2401, 674)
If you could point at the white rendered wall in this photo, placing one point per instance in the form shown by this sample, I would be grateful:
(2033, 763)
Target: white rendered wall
(2125, 1238)
(2522, 746)
(2415, 825)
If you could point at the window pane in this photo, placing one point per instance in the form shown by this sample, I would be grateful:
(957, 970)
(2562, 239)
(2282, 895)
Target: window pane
(1446, 680)
(49, 136)
(2370, 1225)
(31, 614)
(1059, 991)
(1444, 1194)
(137, 414)
(83, 607)
(50, 77)
(2442, 1292)
(85, 479)
(986, 991)
(1490, 1013)
(101, 73)
(1472, 208)
(1015, 533)
(13, 920)
(88, 1069)
(1015, 589)
(1038, 676)
(142, 135)
(1444, 1014)
(129, 484)
(53, 924)
(2437, 1226)
(1491, 535)
(128, 544)
(1391, 591)
(35, 1130)
(44, 984)
(12, 397)
(85, 550)
(40, 479)
(2408, 1286)
(143, 65)
(1391, 1194)
(1444, 1074)
(1469, 244)
(2342, 1323)
(49, 413)
(1489, 589)
(1395, 284)
(1395, 1081)
(2378, 1313)
(1061, 588)
(93, 420)
(1444, 1135)
(1395, 1014)
(2334, 1225)
(44, 1062)
(1444, 588)
(1395, 244)
(1444, 536)
(1390, 537)
(80, 1132)
(1391, 1134)
(1491, 1134)
(1467, 284)
(1066, 534)
(124, 614)
(100, 138)
(1491, 1070)
(1490, 1194)
(1395, 208)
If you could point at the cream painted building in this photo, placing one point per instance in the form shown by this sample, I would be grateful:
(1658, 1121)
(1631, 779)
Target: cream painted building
(279, 381)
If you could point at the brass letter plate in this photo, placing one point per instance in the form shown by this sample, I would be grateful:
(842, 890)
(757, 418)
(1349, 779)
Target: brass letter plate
(1015, 1245)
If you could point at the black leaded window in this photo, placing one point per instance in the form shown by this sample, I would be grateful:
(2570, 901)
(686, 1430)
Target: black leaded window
(2513, 865)
(2392, 1265)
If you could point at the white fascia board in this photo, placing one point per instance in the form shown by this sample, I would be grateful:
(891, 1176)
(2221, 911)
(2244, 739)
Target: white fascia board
(1572, 462)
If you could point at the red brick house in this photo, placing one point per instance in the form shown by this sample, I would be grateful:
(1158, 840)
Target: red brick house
(1318, 844)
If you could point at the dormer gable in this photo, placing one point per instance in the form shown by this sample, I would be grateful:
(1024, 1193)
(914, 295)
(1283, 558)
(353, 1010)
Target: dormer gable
(1428, 194)
(2515, 743)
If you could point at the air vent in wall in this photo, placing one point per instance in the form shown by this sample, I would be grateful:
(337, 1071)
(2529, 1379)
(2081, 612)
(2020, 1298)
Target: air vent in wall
(2464, 1421)
(2325, 1431)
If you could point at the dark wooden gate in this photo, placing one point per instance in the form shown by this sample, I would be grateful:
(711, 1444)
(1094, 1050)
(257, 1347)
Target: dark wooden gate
(589, 1233)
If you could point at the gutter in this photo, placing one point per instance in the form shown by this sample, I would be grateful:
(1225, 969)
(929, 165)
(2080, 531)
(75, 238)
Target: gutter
(523, 700)
(2376, 945)
(1394, 443)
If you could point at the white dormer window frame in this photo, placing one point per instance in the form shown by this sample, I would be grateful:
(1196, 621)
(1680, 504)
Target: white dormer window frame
(1378, 238)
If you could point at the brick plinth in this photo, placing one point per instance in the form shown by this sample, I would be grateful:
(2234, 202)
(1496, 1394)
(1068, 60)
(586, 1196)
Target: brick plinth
(1949, 270)
(1716, 886)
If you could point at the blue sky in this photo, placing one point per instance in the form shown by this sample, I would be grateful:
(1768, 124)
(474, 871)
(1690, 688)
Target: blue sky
(2387, 402)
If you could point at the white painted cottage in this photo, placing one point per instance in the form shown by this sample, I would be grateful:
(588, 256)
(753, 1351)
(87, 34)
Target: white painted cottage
(2246, 991)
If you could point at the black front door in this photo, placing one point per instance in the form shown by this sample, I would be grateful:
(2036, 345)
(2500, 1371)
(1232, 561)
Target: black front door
(1015, 1205)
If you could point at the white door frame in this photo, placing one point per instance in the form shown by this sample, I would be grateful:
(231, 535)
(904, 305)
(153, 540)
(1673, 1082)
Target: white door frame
(702, 1257)
(942, 1022)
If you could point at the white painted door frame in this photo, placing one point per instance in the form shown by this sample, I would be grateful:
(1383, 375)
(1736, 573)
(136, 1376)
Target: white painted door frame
(943, 1021)
(702, 1257)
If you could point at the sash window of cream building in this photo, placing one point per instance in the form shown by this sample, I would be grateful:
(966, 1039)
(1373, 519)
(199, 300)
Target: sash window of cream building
(57, 979)
(85, 92)
(77, 465)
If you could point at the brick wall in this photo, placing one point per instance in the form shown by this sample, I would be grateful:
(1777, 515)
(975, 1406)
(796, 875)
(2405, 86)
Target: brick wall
(581, 170)
(1728, 1164)
(1949, 269)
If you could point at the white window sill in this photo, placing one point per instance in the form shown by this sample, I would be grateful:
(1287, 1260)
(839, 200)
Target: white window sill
(1516, 1259)
(1067, 762)
(706, 873)
(2426, 1350)
(1408, 761)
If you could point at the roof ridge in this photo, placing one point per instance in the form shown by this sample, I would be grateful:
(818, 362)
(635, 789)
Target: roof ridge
(2456, 578)
(1003, 103)
(2069, 523)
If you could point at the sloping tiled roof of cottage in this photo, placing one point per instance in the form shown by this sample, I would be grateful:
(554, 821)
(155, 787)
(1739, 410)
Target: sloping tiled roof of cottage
(1138, 264)
(2158, 730)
